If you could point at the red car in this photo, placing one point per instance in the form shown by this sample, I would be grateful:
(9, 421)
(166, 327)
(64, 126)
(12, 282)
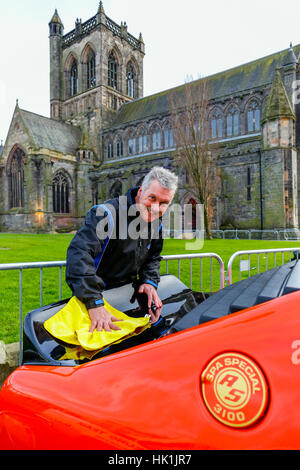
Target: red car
(218, 371)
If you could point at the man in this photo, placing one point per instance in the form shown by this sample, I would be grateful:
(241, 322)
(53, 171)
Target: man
(97, 259)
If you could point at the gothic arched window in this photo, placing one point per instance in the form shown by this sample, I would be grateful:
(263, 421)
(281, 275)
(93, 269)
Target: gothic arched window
(190, 215)
(74, 79)
(131, 145)
(156, 138)
(116, 189)
(253, 116)
(60, 193)
(232, 122)
(142, 141)
(119, 147)
(216, 125)
(168, 137)
(112, 71)
(110, 149)
(16, 179)
(91, 69)
(130, 80)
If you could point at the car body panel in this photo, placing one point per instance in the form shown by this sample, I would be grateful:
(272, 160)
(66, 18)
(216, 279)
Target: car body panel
(149, 396)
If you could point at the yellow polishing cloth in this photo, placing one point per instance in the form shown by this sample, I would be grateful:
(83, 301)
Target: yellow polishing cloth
(72, 324)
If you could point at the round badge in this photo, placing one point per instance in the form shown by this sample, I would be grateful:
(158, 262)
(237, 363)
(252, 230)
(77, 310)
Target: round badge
(234, 390)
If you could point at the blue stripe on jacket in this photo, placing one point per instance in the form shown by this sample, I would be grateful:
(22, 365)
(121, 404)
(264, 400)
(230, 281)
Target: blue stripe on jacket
(97, 260)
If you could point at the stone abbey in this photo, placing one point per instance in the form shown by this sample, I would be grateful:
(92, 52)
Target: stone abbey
(103, 135)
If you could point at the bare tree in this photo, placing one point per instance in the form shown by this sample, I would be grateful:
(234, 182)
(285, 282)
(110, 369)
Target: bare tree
(188, 114)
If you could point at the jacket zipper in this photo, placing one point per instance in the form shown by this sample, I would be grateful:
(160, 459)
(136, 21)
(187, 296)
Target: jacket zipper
(138, 252)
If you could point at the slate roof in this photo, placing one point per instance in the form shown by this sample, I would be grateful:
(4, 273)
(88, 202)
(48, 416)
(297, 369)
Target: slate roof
(50, 134)
(244, 77)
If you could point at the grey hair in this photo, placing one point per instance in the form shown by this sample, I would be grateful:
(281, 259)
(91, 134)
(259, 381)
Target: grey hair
(166, 178)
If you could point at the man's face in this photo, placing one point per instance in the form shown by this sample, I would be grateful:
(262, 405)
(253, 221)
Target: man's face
(153, 201)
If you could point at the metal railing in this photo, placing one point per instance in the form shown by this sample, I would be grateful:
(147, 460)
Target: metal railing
(200, 256)
(60, 264)
(37, 265)
(167, 259)
(273, 251)
(256, 234)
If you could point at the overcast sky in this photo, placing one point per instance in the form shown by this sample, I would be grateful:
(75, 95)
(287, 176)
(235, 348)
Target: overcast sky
(183, 38)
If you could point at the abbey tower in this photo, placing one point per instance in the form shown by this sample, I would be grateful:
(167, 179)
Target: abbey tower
(94, 70)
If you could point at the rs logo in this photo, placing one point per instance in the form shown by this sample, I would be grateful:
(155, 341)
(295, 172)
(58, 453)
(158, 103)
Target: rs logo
(234, 394)
(229, 380)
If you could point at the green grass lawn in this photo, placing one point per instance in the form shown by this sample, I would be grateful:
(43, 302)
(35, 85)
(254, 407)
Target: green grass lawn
(20, 248)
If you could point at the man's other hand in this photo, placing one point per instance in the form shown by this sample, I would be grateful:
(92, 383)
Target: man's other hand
(151, 293)
(102, 319)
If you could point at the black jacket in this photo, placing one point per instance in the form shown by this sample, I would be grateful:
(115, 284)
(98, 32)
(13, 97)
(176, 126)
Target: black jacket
(95, 263)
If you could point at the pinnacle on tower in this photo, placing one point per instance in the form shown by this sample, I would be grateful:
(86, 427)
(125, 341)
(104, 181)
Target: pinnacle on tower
(101, 17)
(100, 8)
(56, 18)
(290, 58)
(277, 103)
(55, 25)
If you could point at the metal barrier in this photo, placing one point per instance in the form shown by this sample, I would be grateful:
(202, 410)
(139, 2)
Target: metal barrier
(256, 234)
(199, 256)
(265, 234)
(61, 264)
(167, 258)
(290, 234)
(40, 265)
(257, 252)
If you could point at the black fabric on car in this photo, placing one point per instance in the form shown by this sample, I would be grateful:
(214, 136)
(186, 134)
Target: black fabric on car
(244, 294)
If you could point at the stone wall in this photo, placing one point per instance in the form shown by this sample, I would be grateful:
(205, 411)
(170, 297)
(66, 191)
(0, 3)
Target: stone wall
(240, 190)
(9, 360)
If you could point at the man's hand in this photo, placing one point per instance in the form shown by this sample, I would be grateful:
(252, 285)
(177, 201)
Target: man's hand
(102, 319)
(151, 293)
